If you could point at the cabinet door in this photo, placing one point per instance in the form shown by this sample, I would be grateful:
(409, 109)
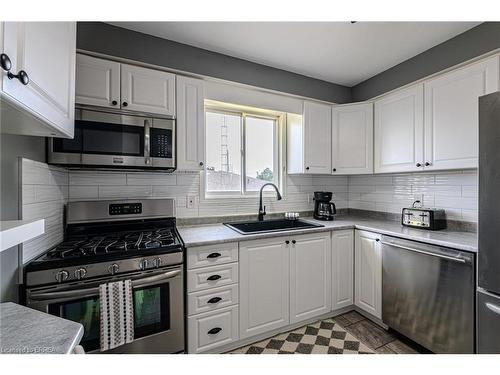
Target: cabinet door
(368, 272)
(97, 82)
(399, 131)
(264, 286)
(310, 276)
(147, 90)
(452, 116)
(317, 140)
(190, 124)
(46, 52)
(352, 139)
(342, 268)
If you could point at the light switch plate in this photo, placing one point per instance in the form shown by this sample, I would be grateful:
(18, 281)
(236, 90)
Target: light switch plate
(190, 201)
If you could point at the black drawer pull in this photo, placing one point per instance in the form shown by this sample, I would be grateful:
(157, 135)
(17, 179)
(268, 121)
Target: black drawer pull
(214, 300)
(213, 255)
(294, 242)
(214, 331)
(213, 277)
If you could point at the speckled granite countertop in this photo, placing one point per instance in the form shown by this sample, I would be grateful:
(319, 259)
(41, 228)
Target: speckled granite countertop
(199, 235)
(27, 331)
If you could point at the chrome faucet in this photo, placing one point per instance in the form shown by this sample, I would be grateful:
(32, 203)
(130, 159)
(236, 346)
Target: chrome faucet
(262, 211)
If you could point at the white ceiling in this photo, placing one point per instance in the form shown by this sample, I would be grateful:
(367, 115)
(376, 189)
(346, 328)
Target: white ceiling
(338, 52)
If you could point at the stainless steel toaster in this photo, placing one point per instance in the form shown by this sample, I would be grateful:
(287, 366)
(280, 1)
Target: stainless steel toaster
(425, 218)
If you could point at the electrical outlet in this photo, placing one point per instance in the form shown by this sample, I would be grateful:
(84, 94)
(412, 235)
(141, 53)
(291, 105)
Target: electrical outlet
(418, 197)
(190, 201)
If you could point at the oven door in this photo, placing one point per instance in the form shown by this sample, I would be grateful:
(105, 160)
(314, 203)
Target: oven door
(158, 311)
(104, 139)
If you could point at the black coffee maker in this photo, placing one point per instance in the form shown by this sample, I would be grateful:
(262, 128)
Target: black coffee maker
(323, 208)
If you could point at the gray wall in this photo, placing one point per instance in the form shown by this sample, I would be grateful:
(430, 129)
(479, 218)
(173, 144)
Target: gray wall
(474, 42)
(120, 42)
(11, 148)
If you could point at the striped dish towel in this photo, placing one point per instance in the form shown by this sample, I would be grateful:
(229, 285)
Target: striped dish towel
(117, 314)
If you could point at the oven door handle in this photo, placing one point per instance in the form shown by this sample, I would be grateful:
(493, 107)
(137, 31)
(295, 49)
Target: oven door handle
(95, 290)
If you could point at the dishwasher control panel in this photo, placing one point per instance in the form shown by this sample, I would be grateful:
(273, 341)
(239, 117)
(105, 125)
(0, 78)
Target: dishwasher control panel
(425, 218)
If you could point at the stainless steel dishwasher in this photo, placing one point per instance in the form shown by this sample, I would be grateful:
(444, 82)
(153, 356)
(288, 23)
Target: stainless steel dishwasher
(428, 294)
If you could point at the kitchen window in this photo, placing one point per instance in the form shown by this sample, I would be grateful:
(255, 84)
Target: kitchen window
(243, 149)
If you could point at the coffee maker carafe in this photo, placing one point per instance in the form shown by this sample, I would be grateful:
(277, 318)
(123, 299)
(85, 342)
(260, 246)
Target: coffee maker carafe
(323, 208)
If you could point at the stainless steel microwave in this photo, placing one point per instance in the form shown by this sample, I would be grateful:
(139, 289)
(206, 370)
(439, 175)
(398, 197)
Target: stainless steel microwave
(114, 139)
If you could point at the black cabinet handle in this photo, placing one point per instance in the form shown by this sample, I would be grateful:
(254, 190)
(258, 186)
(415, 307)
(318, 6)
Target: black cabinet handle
(377, 239)
(214, 300)
(201, 164)
(418, 165)
(125, 104)
(214, 331)
(22, 76)
(213, 255)
(287, 242)
(5, 62)
(213, 277)
(114, 102)
(307, 168)
(334, 169)
(294, 242)
(427, 164)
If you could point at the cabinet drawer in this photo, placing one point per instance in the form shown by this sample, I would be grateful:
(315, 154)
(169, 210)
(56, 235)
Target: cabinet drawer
(210, 277)
(212, 299)
(210, 330)
(211, 255)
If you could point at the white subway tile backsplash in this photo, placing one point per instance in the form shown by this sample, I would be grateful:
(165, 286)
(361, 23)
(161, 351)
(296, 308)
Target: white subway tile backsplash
(455, 191)
(97, 178)
(84, 192)
(152, 179)
(124, 192)
(44, 192)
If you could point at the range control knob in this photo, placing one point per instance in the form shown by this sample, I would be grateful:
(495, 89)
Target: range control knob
(143, 264)
(80, 273)
(62, 276)
(114, 268)
(157, 262)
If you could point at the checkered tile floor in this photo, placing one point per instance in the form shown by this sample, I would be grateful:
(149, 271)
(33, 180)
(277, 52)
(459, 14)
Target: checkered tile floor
(322, 337)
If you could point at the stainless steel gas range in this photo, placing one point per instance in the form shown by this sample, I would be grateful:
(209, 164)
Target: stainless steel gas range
(109, 241)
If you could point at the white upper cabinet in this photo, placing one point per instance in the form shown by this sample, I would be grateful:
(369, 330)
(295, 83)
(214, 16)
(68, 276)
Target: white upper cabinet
(352, 139)
(190, 124)
(106, 83)
(310, 276)
(97, 81)
(451, 114)
(44, 54)
(147, 90)
(368, 272)
(342, 268)
(264, 285)
(399, 131)
(317, 119)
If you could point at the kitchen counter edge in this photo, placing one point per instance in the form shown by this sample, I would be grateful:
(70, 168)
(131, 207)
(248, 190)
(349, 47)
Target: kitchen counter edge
(211, 234)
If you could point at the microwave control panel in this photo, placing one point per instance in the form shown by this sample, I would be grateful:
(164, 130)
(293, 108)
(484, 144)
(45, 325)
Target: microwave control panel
(161, 143)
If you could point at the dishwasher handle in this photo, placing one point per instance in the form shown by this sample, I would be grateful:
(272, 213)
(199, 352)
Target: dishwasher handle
(459, 258)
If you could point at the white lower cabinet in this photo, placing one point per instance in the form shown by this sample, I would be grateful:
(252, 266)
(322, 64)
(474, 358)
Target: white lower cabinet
(211, 330)
(310, 276)
(264, 285)
(212, 298)
(342, 268)
(368, 272)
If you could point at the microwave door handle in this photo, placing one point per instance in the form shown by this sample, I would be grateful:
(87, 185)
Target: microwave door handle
(147, 142)
(95, 290)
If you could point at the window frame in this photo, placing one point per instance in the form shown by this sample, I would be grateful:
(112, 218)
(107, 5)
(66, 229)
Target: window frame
(278, 154)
